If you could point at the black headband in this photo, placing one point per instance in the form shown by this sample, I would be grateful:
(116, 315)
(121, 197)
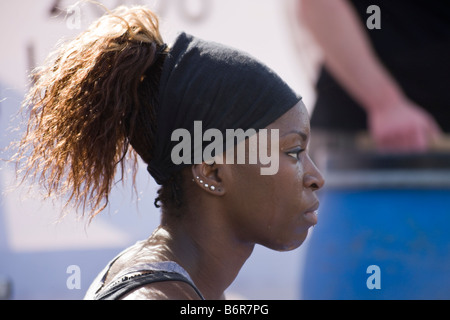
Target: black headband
(220, 86)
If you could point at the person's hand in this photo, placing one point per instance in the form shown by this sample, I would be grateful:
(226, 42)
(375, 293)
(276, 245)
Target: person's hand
(402, 127)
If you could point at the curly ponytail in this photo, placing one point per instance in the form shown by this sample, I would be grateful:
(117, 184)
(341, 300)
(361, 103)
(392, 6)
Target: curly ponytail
(88, 104)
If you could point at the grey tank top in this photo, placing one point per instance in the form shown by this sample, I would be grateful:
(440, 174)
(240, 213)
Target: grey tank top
(136, 277)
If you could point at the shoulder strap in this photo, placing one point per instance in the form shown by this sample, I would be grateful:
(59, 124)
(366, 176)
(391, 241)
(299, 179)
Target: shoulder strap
(128, 284)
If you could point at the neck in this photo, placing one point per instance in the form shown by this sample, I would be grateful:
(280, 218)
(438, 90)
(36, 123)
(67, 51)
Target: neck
(206, 247)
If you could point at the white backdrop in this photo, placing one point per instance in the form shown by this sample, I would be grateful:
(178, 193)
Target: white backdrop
(34, 251)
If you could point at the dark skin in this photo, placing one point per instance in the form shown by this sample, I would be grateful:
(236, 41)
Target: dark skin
(218, 229)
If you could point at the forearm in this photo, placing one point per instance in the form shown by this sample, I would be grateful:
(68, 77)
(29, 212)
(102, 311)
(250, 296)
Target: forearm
(348, 53)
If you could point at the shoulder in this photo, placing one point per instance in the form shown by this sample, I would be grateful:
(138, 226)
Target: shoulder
(169, 290)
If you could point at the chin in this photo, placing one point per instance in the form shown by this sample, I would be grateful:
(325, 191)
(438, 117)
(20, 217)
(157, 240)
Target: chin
(295, 242)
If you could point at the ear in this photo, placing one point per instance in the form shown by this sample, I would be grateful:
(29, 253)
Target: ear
(208, 177)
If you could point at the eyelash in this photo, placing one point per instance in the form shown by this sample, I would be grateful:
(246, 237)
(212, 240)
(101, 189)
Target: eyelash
(296, 152)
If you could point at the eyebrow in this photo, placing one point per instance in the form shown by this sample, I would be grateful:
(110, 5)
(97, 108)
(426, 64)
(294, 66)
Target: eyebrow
(302, 135)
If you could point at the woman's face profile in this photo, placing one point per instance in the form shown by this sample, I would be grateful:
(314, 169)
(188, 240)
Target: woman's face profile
(277, 210)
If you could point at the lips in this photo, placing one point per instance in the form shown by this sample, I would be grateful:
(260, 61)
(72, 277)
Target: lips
(311, 214)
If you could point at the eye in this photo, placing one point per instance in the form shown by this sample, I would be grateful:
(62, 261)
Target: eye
(295, 152)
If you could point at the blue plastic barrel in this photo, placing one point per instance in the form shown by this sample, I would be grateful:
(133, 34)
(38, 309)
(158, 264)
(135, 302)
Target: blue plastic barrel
(383, 231)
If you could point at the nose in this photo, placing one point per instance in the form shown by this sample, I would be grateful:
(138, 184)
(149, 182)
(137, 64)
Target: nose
(313, 179)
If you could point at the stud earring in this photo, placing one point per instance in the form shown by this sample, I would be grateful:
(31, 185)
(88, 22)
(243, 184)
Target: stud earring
(210, 187)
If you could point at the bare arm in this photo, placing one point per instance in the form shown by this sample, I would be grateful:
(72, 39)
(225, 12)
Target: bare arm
(395, 122)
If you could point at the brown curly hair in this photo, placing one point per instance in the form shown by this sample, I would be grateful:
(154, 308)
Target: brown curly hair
(92, 107)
